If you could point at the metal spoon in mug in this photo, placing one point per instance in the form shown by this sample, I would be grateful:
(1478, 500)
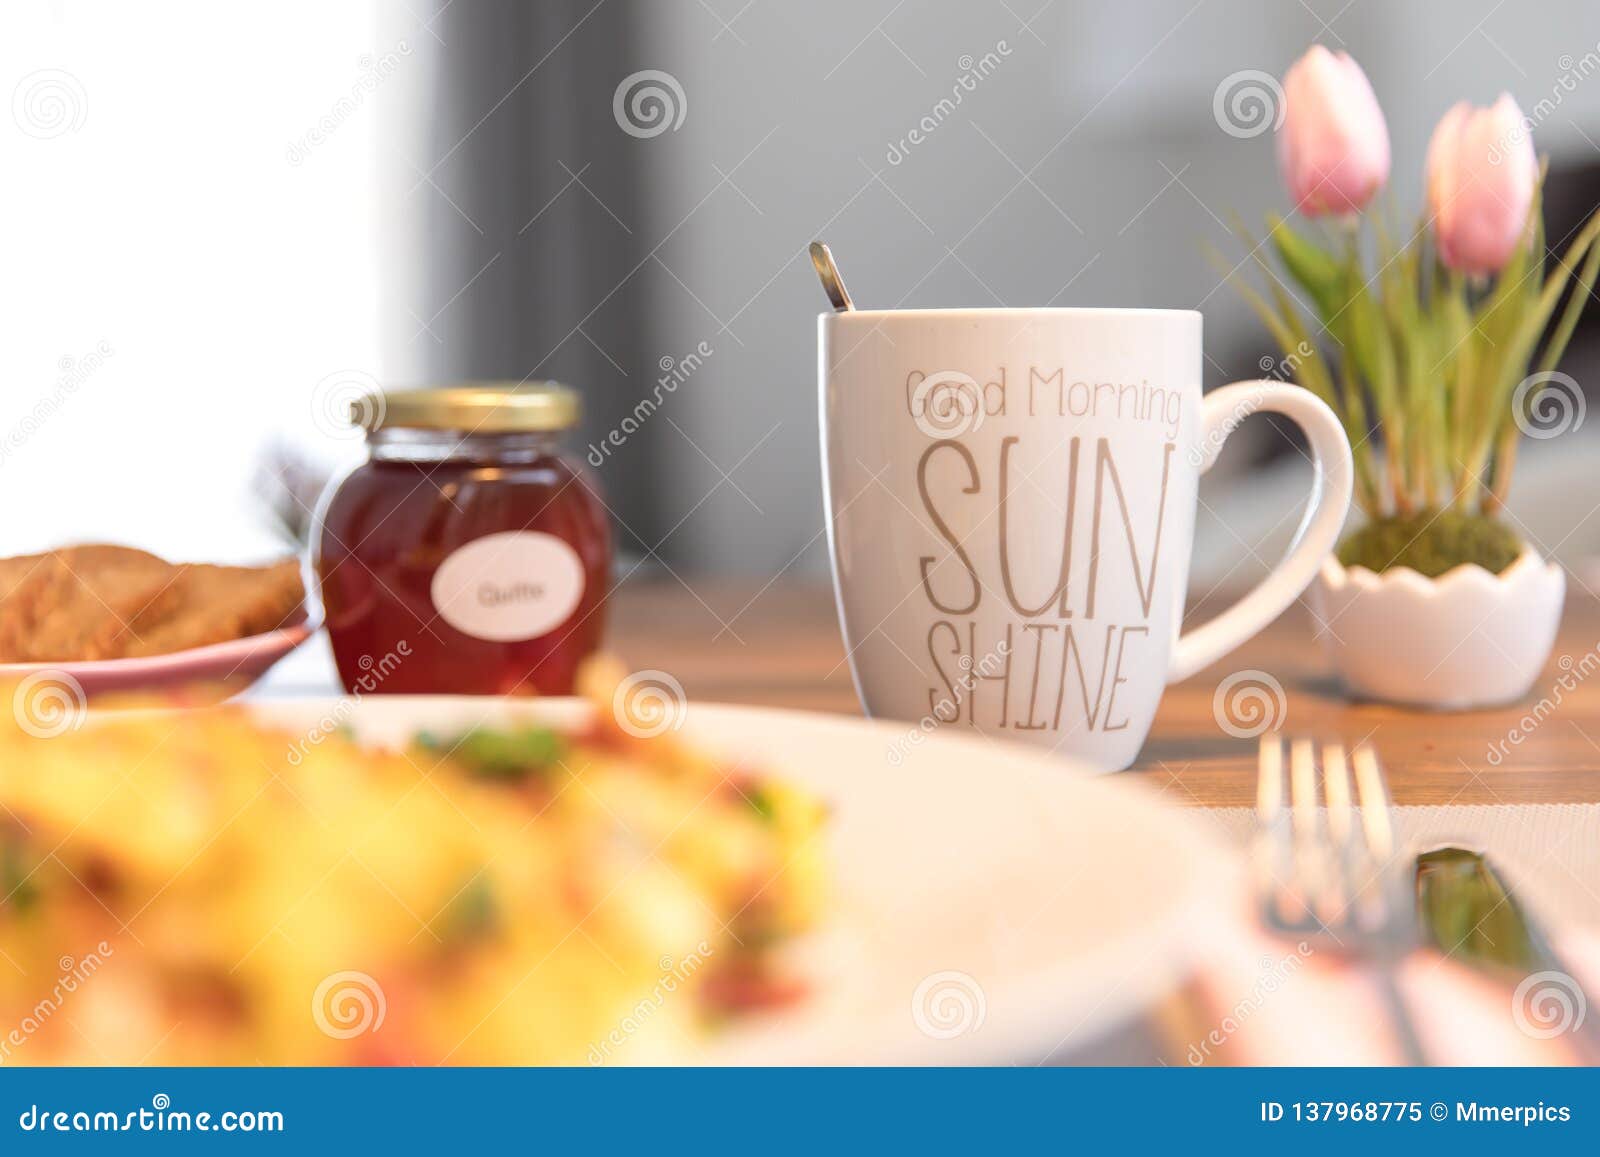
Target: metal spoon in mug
(832, 283)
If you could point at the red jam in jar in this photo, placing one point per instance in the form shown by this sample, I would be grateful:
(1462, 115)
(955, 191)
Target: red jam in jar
(468, 554)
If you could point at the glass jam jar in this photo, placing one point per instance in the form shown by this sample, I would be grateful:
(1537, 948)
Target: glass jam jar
(468, 554)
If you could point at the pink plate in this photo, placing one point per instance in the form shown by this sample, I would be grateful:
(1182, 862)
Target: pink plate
(230, 666)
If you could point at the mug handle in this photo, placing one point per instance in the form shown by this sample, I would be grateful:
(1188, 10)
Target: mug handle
(1329, 502)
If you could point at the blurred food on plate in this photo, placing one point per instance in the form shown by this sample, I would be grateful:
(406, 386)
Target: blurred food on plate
(205, 889)
(111, 602)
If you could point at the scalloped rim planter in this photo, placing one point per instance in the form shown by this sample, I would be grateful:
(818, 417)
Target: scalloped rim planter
(1464, 640)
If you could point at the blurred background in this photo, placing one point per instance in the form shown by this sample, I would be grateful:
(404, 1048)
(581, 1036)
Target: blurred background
(224, 220)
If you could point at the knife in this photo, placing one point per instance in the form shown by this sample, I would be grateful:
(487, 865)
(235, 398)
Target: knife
(1467, 912)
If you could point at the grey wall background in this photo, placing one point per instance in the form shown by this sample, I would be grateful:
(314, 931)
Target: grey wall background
(1086, 167)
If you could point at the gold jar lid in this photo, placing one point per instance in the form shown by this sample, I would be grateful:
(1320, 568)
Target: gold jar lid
(474, 407)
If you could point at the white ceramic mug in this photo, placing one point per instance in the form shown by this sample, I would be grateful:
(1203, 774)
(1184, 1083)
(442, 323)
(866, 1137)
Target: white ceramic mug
(1011, 497)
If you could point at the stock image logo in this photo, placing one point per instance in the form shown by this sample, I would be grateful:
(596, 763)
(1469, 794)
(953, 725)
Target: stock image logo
(649, 103)
(675, 372)
(75, 373)
(649, 703)
(1548, 1004)
(348, 1004)
(1248, 103)
(1547, 405)
(1209, 444)
(49, 703)
(949, 1004)
(974, 70)
(947, 404)
(1248, 704)
(49, 103)
(345, 403)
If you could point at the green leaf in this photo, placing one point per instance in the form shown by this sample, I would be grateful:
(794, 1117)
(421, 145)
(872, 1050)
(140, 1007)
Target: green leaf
(1536, 282)
(511, 755)
(1314, 268)
(1368, 338)
(1557, 343)
(1311, 370)
(1287, 330)
(1533, 320)
(761, 800)
(1505, 316)
(1258, 304)
(471, 914)
(1453, 324)
(1288, 303)
(16, 887)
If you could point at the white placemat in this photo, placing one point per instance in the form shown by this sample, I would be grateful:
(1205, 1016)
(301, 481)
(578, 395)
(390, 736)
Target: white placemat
(1548, 853)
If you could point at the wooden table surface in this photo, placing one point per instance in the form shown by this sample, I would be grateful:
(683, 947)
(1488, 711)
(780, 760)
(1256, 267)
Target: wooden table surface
(779, 646)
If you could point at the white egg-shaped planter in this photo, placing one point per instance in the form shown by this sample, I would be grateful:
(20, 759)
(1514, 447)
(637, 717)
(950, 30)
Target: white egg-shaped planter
(1465, 639)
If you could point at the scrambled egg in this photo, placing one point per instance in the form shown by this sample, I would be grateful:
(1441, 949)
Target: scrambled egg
(190, 887)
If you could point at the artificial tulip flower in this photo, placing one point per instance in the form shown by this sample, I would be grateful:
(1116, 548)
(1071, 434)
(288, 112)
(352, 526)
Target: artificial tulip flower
(1333, 144)
(1482, 175)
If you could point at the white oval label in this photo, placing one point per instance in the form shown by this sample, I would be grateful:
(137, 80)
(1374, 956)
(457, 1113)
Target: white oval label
(518, 584)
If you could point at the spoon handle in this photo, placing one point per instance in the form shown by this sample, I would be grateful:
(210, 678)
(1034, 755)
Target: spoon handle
(832, 283)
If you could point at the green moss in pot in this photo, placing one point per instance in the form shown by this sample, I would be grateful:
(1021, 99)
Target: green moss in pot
(1432, 542)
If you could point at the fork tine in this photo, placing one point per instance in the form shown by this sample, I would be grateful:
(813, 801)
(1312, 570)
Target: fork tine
(1336, 785)
(1317, 874)
(1336, 788)
(1269, 779)
(1383, 898)
(1303, 788)
(1374, 796)
(1273, 845)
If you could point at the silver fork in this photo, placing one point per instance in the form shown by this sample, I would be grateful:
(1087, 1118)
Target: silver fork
(1330, 877)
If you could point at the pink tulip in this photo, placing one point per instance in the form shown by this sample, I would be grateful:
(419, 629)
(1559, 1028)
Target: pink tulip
(1481, 179)
(1333, 145)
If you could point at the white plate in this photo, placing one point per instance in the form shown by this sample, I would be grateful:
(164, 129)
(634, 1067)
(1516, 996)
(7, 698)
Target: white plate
(991, 904)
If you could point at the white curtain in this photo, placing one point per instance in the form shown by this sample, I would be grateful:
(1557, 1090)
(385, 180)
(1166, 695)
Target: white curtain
(191, 245)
